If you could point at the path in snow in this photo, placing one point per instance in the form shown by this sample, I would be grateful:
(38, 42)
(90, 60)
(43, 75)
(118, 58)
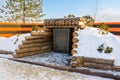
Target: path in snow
(11, 70)
(54, 58)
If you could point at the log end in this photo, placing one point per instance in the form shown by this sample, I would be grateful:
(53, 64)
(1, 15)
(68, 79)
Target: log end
(73, 65)
(73, 52)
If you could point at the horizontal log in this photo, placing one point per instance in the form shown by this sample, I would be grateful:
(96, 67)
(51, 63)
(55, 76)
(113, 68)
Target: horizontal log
(95, 73)
(75, 40)
(33, 49)
(75, 34)
(116, 68)
(74, 45)
(30, 53)
(48, 30)
(99, 60)
(98, 66)
(36, 41)
(33, 37)
(41, 33)
(5, 52)
(35, 45)
(73, 52)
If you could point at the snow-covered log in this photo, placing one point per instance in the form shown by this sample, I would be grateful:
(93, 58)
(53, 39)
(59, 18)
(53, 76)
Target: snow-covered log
(5, 52)
(41, 33)
(36, 41)
(34, 45)
(116, 68)
(30, 53)
(99, 61)
(98, 66)
(33, 37)
(33, 49)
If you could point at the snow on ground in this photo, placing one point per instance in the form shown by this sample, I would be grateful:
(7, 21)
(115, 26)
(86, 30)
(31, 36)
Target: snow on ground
(11, 70)
(59, 59)
(89, 40)
(10, 44)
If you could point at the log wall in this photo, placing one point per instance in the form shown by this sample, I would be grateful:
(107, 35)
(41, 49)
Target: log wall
(74, 46)
(38, 42)
(96, 63)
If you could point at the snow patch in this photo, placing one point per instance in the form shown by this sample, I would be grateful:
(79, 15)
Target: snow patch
(10, 44)
(89, 40)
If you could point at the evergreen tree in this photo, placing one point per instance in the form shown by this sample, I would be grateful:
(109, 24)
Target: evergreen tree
(22, 10)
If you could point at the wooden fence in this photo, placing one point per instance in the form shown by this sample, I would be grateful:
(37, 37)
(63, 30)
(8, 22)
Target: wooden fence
(10, 29)
(114, 27)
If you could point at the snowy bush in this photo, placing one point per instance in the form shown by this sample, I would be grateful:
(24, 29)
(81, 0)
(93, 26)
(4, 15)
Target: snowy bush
(100, 48)
(108, 49)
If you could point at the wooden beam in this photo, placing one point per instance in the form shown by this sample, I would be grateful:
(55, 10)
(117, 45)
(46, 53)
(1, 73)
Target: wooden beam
(34, 45)
(19, 51)
(36, 41)
(99, 61)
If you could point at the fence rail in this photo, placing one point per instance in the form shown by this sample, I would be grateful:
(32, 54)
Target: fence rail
(10, 29)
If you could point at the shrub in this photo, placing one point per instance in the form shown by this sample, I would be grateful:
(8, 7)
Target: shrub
(108, 49)
(103, 28)
(100, 48)
(35, 28)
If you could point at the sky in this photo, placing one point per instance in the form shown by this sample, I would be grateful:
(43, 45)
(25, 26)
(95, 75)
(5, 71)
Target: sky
(101, 10)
